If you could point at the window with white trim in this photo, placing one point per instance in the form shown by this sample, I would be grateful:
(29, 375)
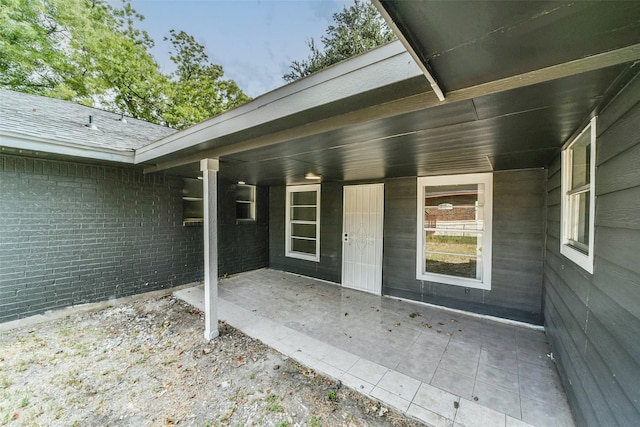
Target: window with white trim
(578, 198)
(303, 222)
(454, 230)
(245, 202)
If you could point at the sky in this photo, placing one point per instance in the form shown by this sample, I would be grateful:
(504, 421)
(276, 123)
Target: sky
(253, 40)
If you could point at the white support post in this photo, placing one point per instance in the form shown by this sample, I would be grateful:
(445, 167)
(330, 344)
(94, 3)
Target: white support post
(209, 168)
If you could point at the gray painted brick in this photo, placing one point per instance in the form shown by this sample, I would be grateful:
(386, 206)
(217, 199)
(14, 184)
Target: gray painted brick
(73, 233)
(68, 229)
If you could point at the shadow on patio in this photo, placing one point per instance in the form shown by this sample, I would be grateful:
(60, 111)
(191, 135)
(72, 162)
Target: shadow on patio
(437, 365)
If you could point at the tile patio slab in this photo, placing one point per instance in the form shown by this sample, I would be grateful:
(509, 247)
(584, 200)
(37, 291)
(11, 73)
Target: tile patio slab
(440, 366)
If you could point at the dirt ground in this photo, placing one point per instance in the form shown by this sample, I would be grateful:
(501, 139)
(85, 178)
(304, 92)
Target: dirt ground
(147, 363)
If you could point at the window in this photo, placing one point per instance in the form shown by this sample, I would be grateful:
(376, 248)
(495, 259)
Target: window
(454, 229)
(303, 222)
(192, 202)
(245, 202)
(578, 198)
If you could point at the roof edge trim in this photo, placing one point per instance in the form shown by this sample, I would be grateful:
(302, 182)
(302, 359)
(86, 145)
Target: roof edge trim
(396, 30)
(381, 66)
(45, 145)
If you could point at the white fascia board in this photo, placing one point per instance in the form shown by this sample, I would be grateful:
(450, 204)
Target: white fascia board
(377, 68)
(45, 145)
(390, 22)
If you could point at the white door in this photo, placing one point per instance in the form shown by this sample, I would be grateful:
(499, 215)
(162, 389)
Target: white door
(362, 237)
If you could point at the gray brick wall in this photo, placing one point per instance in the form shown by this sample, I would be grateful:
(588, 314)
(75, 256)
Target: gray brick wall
(242, 245)
(73, 233)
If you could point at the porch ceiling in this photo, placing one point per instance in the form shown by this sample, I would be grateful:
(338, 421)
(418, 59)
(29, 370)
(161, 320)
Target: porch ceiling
(523, 128)
(519, 80)
(467, 43)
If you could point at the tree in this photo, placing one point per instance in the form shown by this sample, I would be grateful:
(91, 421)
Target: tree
(30, 60)
(196, 89)
(79, 50)
(358, 28)
(90, 52)
(113, 65)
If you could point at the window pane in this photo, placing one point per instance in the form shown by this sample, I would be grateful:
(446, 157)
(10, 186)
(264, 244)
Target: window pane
(192, 209)
(303, 230)
(244, 192)
(455, 238)
(452, 243)
(303, 198)
(303, 214)
(580, 218)
(454, 207)
(454, 254)
(243, 211)
(452, 265)
(581, 161)
(304, 246)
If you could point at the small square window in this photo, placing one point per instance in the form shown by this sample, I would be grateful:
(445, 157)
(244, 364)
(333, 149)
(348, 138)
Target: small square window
(245, 202)
(192, 202)
(578, 198)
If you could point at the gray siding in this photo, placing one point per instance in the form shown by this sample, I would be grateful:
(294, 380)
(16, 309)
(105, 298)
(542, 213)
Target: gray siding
(242, 245)
(518, 241)
(330, 265)
(74, 233)
(593, 320)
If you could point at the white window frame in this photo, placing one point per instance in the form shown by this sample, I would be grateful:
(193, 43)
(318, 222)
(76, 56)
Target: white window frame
(251, 203)
(288, 222)
(479, 178)
(579, 257)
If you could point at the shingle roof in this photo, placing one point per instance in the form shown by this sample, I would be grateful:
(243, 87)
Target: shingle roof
(64, 121)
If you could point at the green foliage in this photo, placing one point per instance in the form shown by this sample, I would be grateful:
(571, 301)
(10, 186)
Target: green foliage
(332, 395)
(90, 52)
(358, 28)
(274, 407)
(27, 46)
(196, 88)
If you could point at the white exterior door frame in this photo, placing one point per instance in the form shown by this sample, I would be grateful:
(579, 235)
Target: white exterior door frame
(362, 237)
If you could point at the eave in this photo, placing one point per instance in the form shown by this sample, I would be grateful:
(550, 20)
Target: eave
(40, 146)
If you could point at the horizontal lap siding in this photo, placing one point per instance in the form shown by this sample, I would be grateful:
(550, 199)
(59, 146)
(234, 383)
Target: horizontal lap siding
(518, 239)
(74, 233)
(399, 253)
(330, 265)
(593, 320)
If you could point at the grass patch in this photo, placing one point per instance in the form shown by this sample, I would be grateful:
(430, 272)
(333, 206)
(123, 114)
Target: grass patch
(5, 382)
(274, 407)
(64, 331)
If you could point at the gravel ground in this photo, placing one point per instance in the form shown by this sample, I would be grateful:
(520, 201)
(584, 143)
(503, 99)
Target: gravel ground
(147, 363)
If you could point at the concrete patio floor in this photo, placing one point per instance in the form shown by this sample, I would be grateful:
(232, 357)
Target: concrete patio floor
(440, 366)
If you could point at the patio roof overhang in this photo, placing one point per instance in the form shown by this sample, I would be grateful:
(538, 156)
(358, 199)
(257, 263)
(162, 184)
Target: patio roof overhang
(518, 79)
